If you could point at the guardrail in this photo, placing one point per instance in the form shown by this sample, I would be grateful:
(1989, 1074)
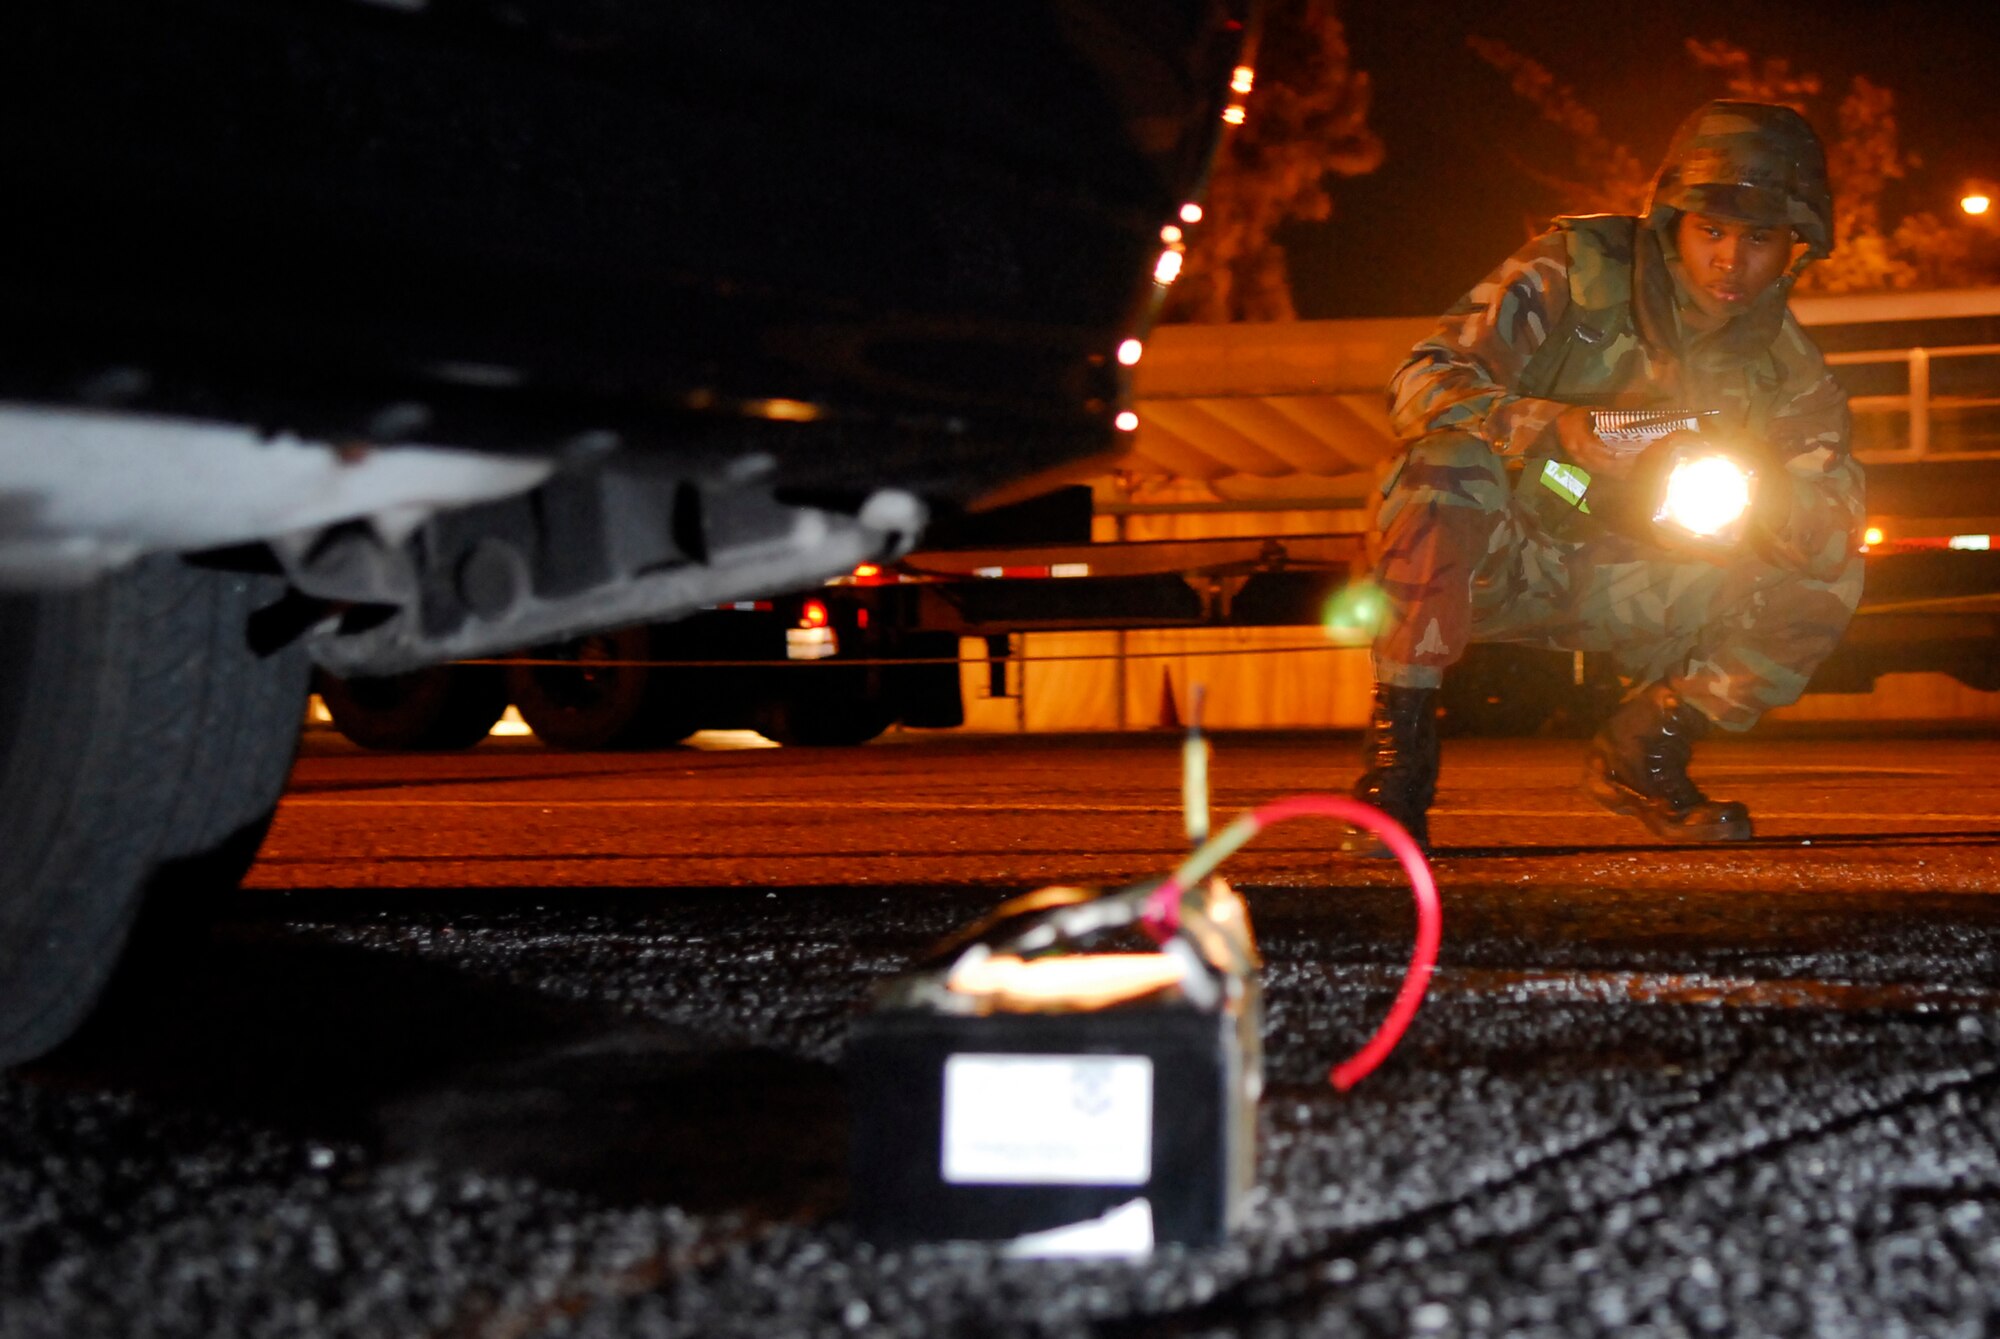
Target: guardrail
(1919, 402)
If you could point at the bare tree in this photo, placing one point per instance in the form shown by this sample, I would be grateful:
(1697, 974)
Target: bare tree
(1306, 124)
(1864, 156)
(1603, 176)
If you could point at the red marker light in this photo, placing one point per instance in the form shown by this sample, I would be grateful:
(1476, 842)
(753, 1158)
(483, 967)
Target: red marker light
(868, 570)
(813, 615)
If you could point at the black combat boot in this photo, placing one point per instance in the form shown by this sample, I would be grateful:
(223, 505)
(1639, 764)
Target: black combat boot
(1638, 766)
(1400, 755)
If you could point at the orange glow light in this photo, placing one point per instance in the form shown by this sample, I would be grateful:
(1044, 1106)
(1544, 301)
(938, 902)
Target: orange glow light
(814, 615)
(1243, 79)
(787, 411)
(1872, 536)
(1168, 269)
(868, 570)
(1129, 351)
(1127, 421)
(1976, 205)
(1170, 233)
(1233, 113)
(1190, 212)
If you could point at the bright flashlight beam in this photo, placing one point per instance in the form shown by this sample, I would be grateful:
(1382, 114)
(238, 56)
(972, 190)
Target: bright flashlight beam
(1706, 495)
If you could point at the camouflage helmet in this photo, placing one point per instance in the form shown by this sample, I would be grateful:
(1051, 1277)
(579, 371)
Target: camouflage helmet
(1754, 161)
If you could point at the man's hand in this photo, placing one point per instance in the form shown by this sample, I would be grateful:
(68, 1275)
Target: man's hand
(1609, 460)
(1771, 498)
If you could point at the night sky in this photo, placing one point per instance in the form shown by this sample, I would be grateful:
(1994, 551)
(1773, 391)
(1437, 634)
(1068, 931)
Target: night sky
(1449, 201)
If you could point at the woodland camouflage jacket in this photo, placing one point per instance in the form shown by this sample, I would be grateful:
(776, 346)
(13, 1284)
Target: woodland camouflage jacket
(1603, 288)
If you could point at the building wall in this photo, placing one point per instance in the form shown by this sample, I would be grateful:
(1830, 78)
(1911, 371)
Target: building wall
(1290, 678)
(1253, 678)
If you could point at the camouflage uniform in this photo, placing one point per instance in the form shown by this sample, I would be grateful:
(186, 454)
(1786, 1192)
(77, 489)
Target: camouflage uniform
(1474, 548)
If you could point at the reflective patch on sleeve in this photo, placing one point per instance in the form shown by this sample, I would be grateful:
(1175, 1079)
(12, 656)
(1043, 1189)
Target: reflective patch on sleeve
(1567, 482)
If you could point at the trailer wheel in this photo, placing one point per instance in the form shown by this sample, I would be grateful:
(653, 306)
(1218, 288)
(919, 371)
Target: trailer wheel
(824, 720)
(441, 708)
(143, 747)
(594, 702)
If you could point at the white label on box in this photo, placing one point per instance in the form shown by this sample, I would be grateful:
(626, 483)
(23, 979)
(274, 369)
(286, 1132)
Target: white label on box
(1048, 1120)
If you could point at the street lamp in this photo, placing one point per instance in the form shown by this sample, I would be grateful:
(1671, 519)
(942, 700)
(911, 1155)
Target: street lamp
(1976, 200)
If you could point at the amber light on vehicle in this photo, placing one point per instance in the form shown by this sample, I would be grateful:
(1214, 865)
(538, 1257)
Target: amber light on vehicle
(814, 637)
(1233, 113)
(1243, 79)
(1190, 213)
(1129, 352)
(786, 411)
(1168, 268)
(1127, 421)
(1976, 205)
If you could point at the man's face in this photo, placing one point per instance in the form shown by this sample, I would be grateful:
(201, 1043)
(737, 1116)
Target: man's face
(1729, 262)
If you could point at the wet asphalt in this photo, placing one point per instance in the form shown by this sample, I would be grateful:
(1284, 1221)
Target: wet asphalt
(517, 1042)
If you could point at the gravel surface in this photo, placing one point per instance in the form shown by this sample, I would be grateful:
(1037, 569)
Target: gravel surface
(1664, 1108)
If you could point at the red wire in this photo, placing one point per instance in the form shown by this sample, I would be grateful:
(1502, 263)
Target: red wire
(1161, 916)
(1430, 920)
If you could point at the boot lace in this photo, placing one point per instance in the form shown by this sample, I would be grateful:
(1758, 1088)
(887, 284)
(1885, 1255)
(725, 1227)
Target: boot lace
(1667, 755)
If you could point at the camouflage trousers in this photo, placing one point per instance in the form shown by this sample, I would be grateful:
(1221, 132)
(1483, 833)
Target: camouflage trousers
(1463, 560)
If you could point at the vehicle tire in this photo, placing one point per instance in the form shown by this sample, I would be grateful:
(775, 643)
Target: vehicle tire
(591, 705)
(428, 710)
(143, 745)
(824, 720)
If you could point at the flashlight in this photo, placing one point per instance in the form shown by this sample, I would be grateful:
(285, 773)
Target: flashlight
(1705, 496)
(1697, 494)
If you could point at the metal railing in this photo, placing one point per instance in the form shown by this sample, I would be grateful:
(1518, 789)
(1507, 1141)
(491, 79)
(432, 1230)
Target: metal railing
(1918, 401)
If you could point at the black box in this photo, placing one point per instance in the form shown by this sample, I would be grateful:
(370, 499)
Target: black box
(978, 1172)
